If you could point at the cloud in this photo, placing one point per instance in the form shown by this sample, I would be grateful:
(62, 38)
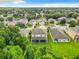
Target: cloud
(12, 1)
(62, 5)
(54, 5)
(18, 1)
(23, 3)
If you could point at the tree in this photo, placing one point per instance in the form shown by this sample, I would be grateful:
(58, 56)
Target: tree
(2, 56)
(5, 15)
(29, 25)
(2, 42)
(21, 25)
(30, 52)
(52, 22)
(1, 19)
(70, 14)
(10, 18)
(38, 55)
(13, 52)
(63, 21)
(75, 15)
(46, 53)
(65, 57)
(72, 23)
(77, 57)
(47, 56)
(22, 42)
(10, 34)
(43, 50)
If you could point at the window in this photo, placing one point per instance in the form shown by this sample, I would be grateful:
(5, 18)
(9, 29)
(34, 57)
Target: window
(56, 40)
(35, 41)
(77, 39)
(42, 40)
(38, 35)
(43, 35)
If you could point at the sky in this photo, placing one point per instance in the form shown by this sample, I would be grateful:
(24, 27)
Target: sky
(39, 3)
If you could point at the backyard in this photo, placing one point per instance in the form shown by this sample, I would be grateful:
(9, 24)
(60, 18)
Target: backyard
(70, 49)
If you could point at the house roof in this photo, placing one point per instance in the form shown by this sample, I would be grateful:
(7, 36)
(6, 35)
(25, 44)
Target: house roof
(10, 22)
(38, 31)
(24, 21)
(32, 21)
(61, 18)
(42, 19)
(58, 34)
(24, 31)
(75, 29)
(51, 19)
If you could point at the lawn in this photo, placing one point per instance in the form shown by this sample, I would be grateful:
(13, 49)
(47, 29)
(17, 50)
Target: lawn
(65, 49)
(70, 49)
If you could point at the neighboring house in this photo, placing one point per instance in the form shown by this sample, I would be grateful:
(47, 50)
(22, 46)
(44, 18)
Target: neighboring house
(69, 20)
(42, 21)
(1, 16)
(73, 32)
(61, 18)
(42, 14)
(37, 14)
(77, 18)
(38, 35)
(13, 22)
(32, 21)
(52, 20)
(9, 15)
(24, 32)
(42, 27)
(58, 35)
(23, 21)
(59, 27)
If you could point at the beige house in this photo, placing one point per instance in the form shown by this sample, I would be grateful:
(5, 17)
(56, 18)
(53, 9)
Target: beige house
(73, 33)
(77, 18)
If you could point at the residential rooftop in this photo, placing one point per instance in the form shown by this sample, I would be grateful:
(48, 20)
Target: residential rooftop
(38, 31)
(57, 33)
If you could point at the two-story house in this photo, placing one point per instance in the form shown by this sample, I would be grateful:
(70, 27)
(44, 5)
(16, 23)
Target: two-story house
(38, 35)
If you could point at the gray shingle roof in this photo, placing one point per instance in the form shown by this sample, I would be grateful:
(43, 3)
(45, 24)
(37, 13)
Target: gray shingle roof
(32, 21)
(58, 34)
(24, 21)
(61, 18)
(38, 31)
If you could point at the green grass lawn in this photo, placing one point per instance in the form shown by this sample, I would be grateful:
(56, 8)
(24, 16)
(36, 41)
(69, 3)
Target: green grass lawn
(70, 49)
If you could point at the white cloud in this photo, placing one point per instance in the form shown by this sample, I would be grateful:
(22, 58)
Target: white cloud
(12, 1)
(18, 1)
(54, 5)
(61, 5)
(18, 4)
(48, 5)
